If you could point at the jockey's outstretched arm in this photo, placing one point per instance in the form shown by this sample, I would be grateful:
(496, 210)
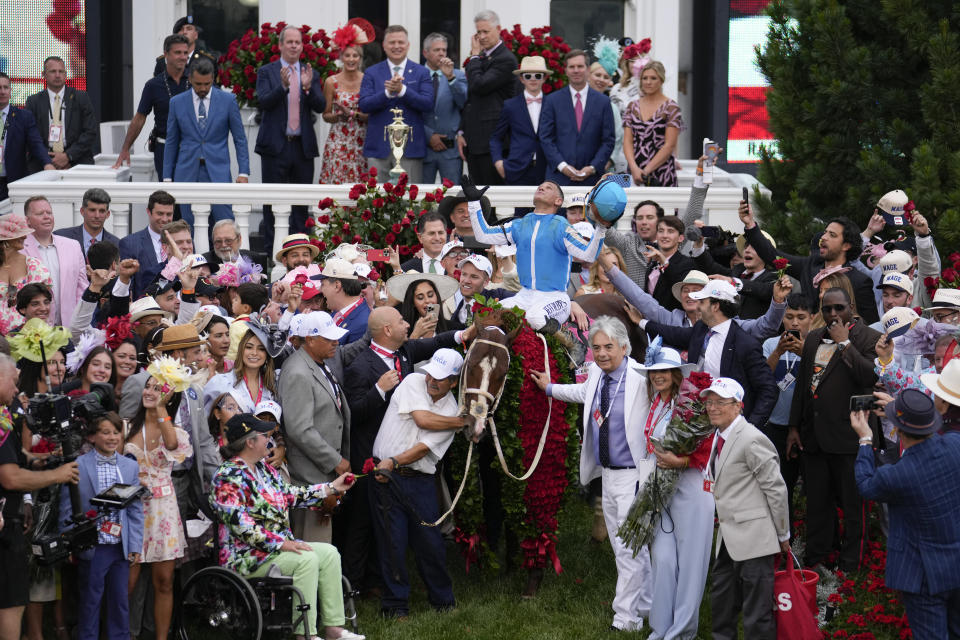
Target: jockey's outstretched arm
(485, 233)
(581, 250)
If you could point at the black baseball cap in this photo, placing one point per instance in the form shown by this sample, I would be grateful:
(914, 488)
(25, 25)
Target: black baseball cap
(243, 424)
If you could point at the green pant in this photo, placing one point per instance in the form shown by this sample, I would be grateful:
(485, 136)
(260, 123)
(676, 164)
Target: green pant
(314, 571)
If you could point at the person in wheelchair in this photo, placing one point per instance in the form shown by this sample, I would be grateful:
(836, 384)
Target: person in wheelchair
(252, 503)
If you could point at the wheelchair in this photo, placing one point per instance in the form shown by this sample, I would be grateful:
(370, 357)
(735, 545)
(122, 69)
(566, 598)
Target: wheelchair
(217, 602)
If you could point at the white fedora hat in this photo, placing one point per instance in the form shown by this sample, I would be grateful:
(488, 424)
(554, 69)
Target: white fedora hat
(946, 384)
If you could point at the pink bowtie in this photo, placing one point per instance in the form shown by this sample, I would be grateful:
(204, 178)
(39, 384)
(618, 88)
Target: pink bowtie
(529, 100)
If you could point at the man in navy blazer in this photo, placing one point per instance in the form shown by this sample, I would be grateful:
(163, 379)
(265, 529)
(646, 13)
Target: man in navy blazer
(18, 135)
(577, 147)
(923, 548)
(726, 350)
(516, 132)
(440, 125)
(144, 246)
(198, 125)
(94, 209)
(288, 91)
(396, 83)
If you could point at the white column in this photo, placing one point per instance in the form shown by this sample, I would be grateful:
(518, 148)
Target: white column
(152, 22)
(119, 221)
(407, 13)
(326, 15)
(201, 228)
(241, 215)
(281, 225)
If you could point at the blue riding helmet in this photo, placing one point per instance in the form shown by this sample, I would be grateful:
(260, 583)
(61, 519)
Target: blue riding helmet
(609, 197)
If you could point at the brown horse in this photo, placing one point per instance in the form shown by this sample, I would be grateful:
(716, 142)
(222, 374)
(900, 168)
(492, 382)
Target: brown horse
(485, 371)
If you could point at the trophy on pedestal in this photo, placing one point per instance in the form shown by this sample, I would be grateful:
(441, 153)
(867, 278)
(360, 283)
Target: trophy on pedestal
(397, 133)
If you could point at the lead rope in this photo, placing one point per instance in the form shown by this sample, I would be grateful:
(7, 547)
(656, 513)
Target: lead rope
(543, 436)
(453, 503)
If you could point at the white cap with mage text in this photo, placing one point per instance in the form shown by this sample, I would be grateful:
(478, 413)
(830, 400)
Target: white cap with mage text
(718, 289)
(480, 262)
(319, 323)
(444, 364)
(725, 388)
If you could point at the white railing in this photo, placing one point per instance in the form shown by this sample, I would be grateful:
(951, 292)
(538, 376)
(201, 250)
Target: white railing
(65, 189)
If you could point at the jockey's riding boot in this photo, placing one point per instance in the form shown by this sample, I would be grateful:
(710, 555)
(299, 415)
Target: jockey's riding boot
(551, 326)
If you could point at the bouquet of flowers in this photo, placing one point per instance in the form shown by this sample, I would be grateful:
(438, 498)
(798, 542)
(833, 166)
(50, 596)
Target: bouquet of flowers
(540, 43)
(383, 214)
(688, 427)
(239, 65)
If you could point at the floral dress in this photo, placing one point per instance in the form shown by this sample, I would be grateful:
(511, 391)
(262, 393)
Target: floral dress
(10, 318)
(253, 506)
(163, 537)
(649, 136)
(343, 159)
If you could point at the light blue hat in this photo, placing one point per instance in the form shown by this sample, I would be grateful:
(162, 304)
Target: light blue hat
(609, 197)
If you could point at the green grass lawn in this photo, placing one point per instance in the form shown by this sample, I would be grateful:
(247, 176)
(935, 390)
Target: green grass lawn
(575, 604)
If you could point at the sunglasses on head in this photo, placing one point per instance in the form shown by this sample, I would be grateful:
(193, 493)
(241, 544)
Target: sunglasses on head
(532, 76)
(836, 308)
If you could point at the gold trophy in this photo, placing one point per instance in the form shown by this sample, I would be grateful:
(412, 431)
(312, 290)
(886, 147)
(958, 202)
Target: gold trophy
(397, 133)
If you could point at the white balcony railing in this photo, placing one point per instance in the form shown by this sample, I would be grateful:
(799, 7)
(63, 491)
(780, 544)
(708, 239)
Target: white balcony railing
(65, 189)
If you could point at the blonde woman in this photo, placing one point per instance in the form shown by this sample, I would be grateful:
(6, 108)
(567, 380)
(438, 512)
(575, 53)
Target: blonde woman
(651, 126)
(598, 282)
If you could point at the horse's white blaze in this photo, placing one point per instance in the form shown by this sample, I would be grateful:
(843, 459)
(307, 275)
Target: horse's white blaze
(479, 407)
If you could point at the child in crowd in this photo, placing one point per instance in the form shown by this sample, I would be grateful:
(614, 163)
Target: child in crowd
(104, 569)
(246, 299)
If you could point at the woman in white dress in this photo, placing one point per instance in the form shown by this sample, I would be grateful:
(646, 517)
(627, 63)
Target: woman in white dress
(253, 378)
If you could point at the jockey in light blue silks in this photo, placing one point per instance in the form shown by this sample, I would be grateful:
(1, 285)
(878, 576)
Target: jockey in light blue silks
(545, 243)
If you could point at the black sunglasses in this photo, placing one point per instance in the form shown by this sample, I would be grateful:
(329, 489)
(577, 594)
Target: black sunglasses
(837, 308)
(532, 76)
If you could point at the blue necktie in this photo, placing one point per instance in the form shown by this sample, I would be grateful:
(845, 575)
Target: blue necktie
(202, 116)
(706, 341)
(604, 432)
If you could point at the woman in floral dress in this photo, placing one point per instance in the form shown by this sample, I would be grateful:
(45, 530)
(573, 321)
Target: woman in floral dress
(651, 125)
(158, 444)
(16, 270)
(343, 159)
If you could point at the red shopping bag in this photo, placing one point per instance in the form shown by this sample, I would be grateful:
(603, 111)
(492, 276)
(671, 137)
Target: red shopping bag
(796, 601)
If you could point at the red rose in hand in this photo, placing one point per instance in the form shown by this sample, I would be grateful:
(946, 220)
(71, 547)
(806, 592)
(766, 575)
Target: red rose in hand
(300, 279)
(369, 465)
(780, 263)
(91, 514)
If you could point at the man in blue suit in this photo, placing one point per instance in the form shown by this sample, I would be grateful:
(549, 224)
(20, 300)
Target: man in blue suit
(18, 134)
(144, 246)
(920, 489)
(197, 128)
(94, 209)
(440, 125)
(576, 128)
(288, 90)
(525, 163)
(396, 83)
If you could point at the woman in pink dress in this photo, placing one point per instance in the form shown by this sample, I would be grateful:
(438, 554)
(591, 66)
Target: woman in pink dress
(158, 444)
(651, 125)
(343, 159)
(16, 270)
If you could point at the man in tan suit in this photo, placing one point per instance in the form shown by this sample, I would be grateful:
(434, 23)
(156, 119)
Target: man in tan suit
(317, 419)
(751, 497)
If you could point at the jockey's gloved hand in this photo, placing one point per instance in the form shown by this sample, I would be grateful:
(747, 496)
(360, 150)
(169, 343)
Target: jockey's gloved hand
(470, 190)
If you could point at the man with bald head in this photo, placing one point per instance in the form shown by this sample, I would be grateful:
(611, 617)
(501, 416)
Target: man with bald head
(369, 382)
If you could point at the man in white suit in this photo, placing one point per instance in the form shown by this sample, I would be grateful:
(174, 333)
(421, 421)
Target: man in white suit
(751, 497)
(614, 396)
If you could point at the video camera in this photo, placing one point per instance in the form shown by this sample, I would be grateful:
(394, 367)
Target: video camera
(63, 420)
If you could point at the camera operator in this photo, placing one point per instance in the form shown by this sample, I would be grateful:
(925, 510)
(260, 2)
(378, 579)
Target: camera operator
(14, 480)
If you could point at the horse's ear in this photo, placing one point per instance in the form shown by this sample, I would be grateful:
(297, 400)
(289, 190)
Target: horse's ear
(513, 334)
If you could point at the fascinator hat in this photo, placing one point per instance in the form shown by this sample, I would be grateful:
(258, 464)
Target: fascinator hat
(357, 31)
(661, 358)
(37, 340)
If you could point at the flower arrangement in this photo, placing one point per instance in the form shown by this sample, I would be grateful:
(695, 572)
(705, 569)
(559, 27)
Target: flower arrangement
(118, 329)
(781, 264)
(949, 276)
(89, 340)
(171, 374)
(238, 66)
(233, 274)
(540, 43)
(531, 508)
(382, 214)
(689, 426)
(35, 332)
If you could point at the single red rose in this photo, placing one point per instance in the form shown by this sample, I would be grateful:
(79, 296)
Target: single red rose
(373, 171)
(414, 190)
(780, 263)
(399, 190)
(274, 57)
(930, 281)
(309, 223)
(949, 274)
(428, 197)
(956, 265)
(301, 279)
(91, 514)
(953, 257)
(918, 310)
(405, 222)
(326, 203)
(319, 244)
(249, 93)
(323, 219)
(438, 194)
(349, 479)
(372, 182)
(388, 187)
(447, 183)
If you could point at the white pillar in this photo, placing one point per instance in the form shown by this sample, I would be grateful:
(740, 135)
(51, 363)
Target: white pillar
(201, 227)
(326, 15)
(281, 226)
(241, 215)
(407, 13)
(119, 221)
(153, 21)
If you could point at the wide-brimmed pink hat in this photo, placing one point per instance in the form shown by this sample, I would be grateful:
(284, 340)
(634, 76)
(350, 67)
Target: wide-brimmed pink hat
(13, 226)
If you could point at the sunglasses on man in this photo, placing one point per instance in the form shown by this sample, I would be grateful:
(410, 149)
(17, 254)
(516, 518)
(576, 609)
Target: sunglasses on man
(532, 76)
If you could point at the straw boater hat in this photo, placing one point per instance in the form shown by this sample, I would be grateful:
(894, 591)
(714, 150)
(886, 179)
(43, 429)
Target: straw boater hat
(533, 64)
(945, 299)
(147, 306)
(297, 240)
(179, 336)
(693, 277)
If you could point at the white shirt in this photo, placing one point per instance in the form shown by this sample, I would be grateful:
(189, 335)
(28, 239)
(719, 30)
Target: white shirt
(63, 107)
(51, 259)
(436, 265)
(156, 243)
(714, 350)
(393, 72)
(398, 431)
(196, 104)
(533, 108)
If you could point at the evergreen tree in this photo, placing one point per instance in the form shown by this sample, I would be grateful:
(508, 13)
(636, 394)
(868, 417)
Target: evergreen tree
(864, 98)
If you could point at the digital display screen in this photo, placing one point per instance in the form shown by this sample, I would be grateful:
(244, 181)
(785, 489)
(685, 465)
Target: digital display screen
(748, 125)
(30, 31)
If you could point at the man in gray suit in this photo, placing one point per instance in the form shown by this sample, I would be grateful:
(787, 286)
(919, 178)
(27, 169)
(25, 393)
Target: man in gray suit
(95, 209)
(316, 417)
(744, 475)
